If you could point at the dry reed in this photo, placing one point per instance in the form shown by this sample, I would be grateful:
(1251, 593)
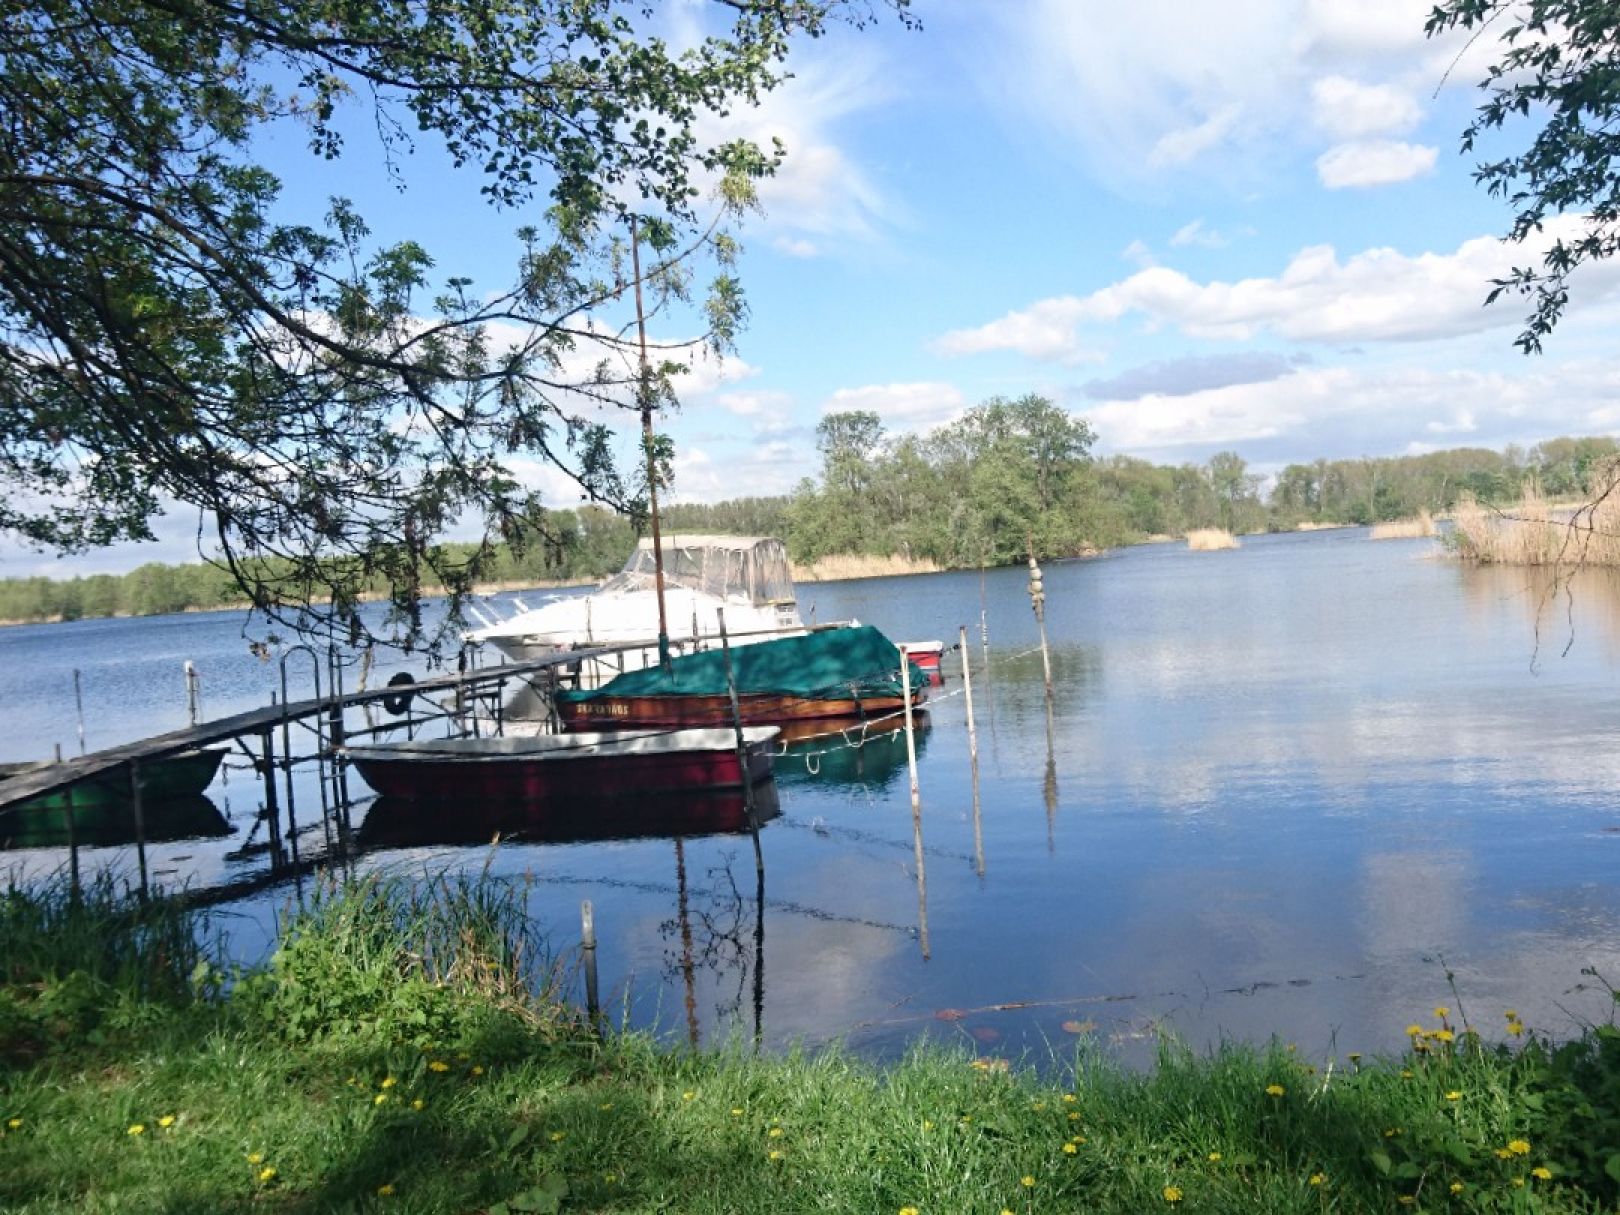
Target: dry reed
(840, 567)
(1209, 539)
(1535, 532)
(1307, 525)
(1405, 529)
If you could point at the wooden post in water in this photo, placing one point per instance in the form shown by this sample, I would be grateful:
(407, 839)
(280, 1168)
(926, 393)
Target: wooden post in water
(193, 699)
(973, 752)
(72, 834)
(587, 953)
(916, 808)
(1037, 600)
(78, 704)
(272, 808)
(742, 743)
(140, 820)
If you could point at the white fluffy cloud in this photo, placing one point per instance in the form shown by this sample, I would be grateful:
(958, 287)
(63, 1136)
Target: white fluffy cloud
(920, 406)
(1349, 109)
(1379, 295)
(1373, 162)
(1342, 411)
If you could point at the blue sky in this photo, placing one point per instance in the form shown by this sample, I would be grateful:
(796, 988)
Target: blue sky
(1243, 226)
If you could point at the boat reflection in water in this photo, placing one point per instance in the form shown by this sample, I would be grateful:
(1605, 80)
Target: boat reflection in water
(849, 751)
(111, 823)
(400, 823)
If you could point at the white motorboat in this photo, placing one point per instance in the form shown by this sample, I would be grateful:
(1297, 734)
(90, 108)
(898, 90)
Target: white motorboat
(748, 576)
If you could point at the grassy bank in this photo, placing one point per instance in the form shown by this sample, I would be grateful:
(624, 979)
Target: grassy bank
(403, 1052)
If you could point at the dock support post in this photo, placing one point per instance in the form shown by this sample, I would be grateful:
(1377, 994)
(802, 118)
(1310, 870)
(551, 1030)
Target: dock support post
(973, 751)
(72, 835)
(916, 807)
(193, 696)
(272, 807)
(587, 953)
(78, 704)
(742, 745)
(140, 820)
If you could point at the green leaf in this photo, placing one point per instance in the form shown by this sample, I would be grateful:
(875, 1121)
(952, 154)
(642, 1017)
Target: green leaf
(1381, 1162)
(1611, 1166)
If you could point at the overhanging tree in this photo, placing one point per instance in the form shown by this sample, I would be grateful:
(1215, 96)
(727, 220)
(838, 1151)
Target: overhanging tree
(1559, 69)
(332, 407)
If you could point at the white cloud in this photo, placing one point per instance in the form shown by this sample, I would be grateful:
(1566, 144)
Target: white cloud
(1345, 28)
(1373, 162)
(1187, 143)
(1380, 295)
(1196, 234)
(753, 404)
(1349, 109)
(1342, 411)
(919, 406)
(796, 247)
(1138, 253)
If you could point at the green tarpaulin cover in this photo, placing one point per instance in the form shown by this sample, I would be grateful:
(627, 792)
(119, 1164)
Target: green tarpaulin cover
(834, 664)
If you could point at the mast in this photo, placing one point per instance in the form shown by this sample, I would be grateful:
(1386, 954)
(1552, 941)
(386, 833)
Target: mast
(643, 392)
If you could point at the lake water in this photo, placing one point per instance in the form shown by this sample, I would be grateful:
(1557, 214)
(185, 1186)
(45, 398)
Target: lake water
(1286, 788)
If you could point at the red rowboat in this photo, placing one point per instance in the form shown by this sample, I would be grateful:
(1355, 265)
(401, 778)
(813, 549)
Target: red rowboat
(924, 654)
(538, 767)
(635, 712)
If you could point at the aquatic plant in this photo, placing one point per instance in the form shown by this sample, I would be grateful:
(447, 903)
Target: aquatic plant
(1210, 539)
(1405, 529)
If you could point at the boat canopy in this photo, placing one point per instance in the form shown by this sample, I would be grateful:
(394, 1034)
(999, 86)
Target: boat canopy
(854, 664)
(752, 569)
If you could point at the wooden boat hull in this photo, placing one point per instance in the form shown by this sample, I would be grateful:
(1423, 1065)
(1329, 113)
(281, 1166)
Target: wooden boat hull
(545, 769)
(397, 823)
(757, 708)
(178, 776)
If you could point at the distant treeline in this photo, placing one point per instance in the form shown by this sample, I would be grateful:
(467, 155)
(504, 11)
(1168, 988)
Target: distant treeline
(973, 492)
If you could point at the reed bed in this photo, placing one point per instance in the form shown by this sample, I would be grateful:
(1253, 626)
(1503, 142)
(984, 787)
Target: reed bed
(841, 567)
(1210, 539)
(1307, 525)
(235, 1108)
(1406, 529)
(1536, 532)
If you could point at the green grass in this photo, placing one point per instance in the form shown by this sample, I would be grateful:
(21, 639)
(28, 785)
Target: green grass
(406, 1037)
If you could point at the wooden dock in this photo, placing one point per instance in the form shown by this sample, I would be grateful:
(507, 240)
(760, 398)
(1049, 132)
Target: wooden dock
(254, 723)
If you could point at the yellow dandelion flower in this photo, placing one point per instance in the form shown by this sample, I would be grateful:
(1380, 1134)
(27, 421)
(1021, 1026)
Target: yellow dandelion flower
(1503, 1154)
(1519, 1147)
(386, 1189)
(606, 1105)
(979, 1065)
(388, 1082)
(1516, 1028)
(610, 1178)
(438, 1065)
(927, 1125)
(688, 1095)
(13, 1123)
(1069, 1098)
(558, 1136)
(254, 1158)
(908, 1211)
(417, 1104)
(1074, 1116)
(1037, 1106)
(1442, 1011)
(166, 1121)
(1512, 1014)
(463, 1056)
(1391, 1132)
(1078, 1139)
(1318, 1178)
(379, 1099)
(736, 1111)
(1027, 1182)
(1406, 1200)
(1453, 1095)
(137, 1129)
(1414, 1030)
(775, 1154)
(1275, 1090)
(965, 1119)
(1406, 1073)
(775, 1132)
(478, 1069)
(1214, 1157)
(1444, 1035)
(1457, 1187)
(1172, 1193)
(1069, 1149)
(1518, 1182)
(1541, 1173)
(267, 1174)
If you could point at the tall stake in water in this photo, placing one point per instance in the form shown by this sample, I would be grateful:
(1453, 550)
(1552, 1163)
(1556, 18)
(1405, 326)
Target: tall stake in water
(644, 398)
(742, 743)
(916, 807)
(973, 749)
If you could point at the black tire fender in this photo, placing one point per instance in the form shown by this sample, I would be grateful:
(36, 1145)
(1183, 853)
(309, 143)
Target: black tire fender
(397, 703)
